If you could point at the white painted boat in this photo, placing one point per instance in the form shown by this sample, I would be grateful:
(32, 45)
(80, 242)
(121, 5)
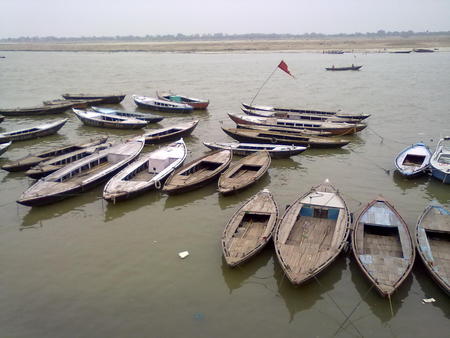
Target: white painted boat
(414, 160)
(4, 146)
(150, 118)
(440, 161)
(95, 119)
(161, 105)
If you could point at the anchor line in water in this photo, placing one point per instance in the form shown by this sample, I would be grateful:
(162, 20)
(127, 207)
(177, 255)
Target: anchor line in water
(387, 171)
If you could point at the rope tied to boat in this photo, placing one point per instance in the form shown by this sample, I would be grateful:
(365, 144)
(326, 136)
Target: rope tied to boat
(158, 184)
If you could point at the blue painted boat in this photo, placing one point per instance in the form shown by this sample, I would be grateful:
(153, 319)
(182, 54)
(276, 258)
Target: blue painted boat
(433, 243)
(150, 118)
(440, 161)
(414, 160)
(161, 105)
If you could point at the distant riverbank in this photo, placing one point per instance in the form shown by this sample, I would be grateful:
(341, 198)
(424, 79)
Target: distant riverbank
(313, 45)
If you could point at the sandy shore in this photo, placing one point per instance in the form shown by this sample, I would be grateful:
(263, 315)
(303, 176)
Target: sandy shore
(356, 45)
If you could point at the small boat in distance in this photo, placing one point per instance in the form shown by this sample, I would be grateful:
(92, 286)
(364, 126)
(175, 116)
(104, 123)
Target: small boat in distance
(414, 160)
(38, 110)
(382, 246)
(4, 146)
(250, 228)
(146, 173)
(111, 98)
(33, 132)
(95, 119)
(244, 149)
(195, 103)
(1, 118)
(170, 133)
(161, 105)
(244, 172)
(150, 118)
(423, 50)
(432, 243)
(352, 67)
(440, 160)
(198, 172)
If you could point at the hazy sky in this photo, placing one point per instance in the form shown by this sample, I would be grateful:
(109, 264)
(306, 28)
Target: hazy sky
(141, 17)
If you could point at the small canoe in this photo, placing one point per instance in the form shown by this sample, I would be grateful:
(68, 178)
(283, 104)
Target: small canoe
(47, 167)
(161, 105)
(82, 175)
(358, 116)
(150, 118)
(195, 103)
(250, 228)
(170, 133)
(433, 243)
(261, 136)
(4, 146)
(440, 161)
(111, 99)
(72, 103)
(352, 67)
(94, 119)
(199, 172)
(285, 130)
(146, 173)
(39, 110)
(312, 233)
(244, 149)
(414, 160)
(244, 172)
(382, 246)
(33, 132)
(31, 160)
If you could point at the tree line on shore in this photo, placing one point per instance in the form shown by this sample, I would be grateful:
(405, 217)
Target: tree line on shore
(221, 36)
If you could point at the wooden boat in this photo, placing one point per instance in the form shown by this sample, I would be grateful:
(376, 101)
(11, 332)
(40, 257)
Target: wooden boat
(423, 50)
(49, 166)
(161, 105)
(146, 173)
(82, 175)
(195, 103)
(312, 233)
(4, 146)
(400, 52)
(199, 172)
(414, 160)
(32, 160)
(383, 246)
(261, 136)
(2, 118)
(334, 128)
(352, 67)
(38, 110)
(73, 103)
(250, 228)
(94, 119)
(244, 149)
(433, 243)
(440, 161)
(300, 116)
(170, 133)
(306, 111)
(150, 118)
(244, 172)
(111, 99)
(33, 132)
(285, 130)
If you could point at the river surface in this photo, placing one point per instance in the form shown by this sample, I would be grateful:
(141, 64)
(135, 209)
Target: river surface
(86, 268)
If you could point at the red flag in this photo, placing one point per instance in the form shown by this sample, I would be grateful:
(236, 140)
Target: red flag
(284, 67)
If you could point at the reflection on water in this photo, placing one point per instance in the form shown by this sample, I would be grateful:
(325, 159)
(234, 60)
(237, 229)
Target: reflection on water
(186, 199)
(239, 198)
(405, 183)
(436, 190)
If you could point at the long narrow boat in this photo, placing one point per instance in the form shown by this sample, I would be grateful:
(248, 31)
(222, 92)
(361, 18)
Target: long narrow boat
(433, 243)
(31, 160)
(199, 172)
(170, 133)
(49, 166)
(161, 105)
(358, 116)
(2, 118)
(334, 128)
(150, 118)
(286, 130)
(413, 160)
(195, 103)
(33, 132)
(94, 119)
(4, 146)
(146, 173)
(72, 103)
(38, 110)
(261, 136)
(250, 228)
(82, 175)
(383, 246)
(312, 233)
(244, 149)
(440, 161)
(352, 67)
(110, 98)
(244, 172)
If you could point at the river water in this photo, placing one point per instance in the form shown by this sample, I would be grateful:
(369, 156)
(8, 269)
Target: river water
(85, 268)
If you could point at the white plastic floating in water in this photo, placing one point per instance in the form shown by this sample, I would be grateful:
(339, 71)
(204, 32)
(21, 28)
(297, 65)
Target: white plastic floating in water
(428, 300)
(183, 254)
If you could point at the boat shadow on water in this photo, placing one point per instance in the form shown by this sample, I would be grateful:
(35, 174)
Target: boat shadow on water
(405, 183)
(186, 199)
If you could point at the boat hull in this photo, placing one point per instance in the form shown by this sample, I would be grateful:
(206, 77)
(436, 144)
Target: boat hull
(36, 132)
(104, 99)
(245, 149)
